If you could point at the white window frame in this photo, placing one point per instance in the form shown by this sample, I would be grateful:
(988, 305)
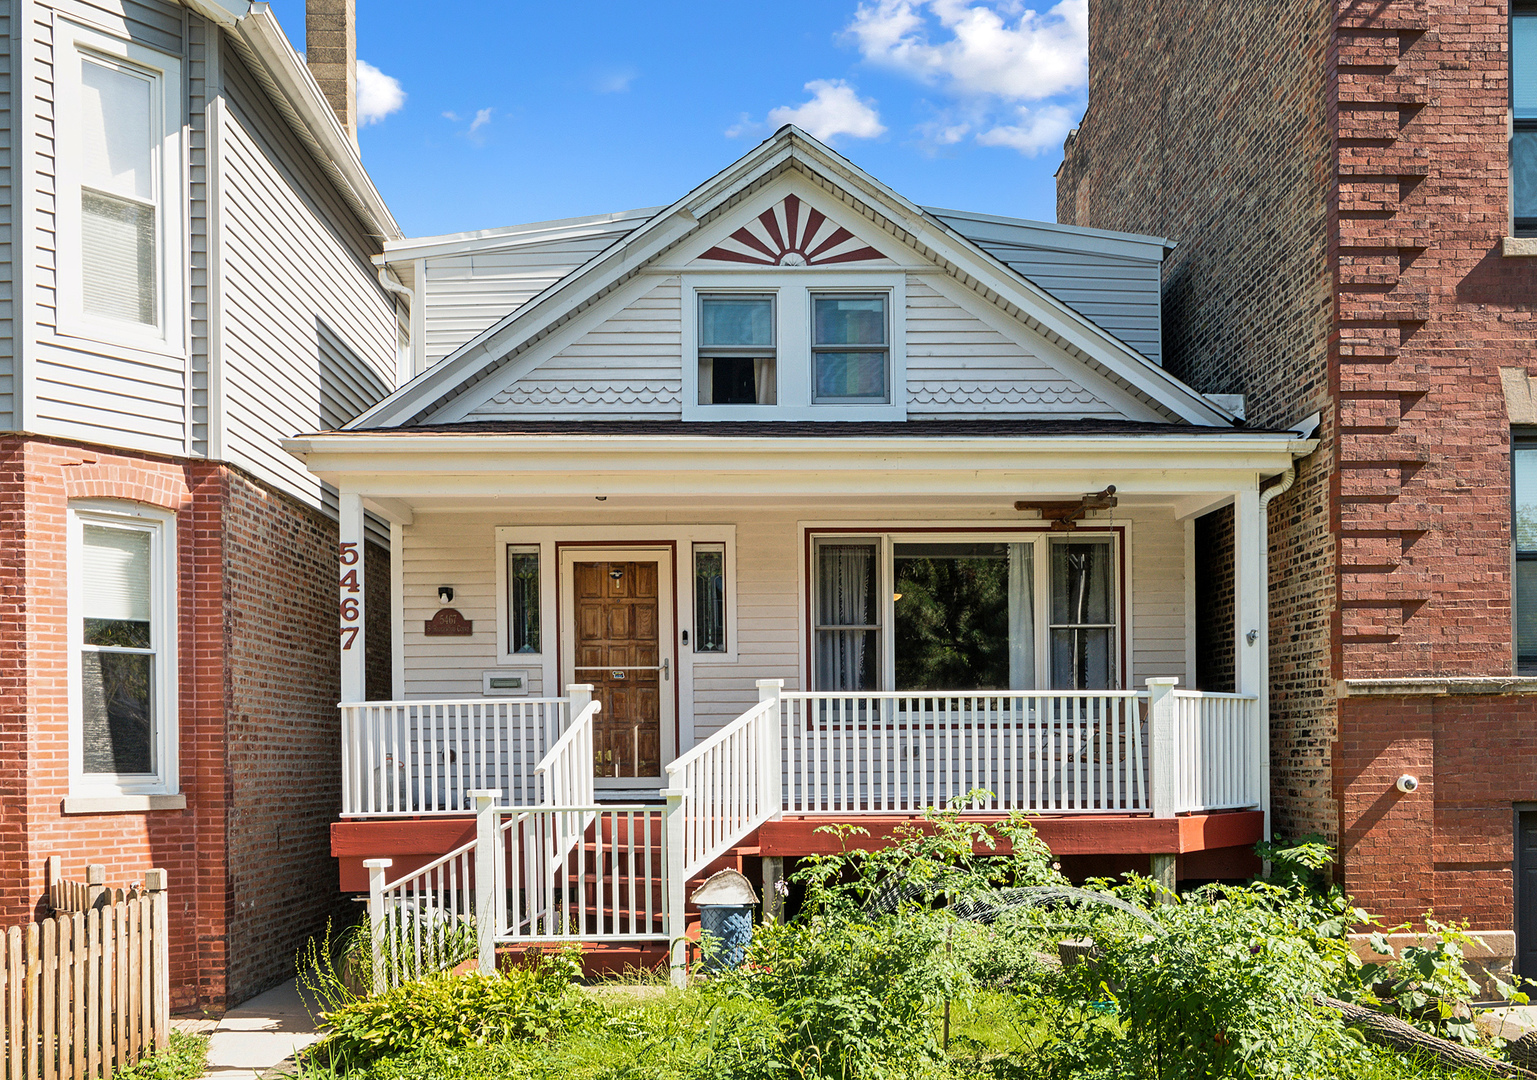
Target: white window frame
(886, 542)
(792, 289)
(74, 45)
(822, 294)
(161, 525)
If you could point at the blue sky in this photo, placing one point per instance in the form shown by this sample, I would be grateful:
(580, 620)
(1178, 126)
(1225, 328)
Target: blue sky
(491, 113)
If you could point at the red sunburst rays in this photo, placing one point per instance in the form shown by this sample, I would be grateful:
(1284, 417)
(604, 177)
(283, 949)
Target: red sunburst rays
(792, 234)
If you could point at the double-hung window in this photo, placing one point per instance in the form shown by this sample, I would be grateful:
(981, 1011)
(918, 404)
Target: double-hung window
(1523, 107)
(850, 348)
(1014, 612)
(122, 572)
(736, 349)
(120, 229)
(1524, 533)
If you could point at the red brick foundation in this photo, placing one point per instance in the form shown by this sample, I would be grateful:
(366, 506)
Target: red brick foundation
(258, 730)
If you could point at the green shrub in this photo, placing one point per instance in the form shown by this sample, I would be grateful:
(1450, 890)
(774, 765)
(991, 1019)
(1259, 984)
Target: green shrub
(529, 1003)
(184, 1058)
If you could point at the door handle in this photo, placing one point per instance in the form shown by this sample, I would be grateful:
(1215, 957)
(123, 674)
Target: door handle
(664, 669)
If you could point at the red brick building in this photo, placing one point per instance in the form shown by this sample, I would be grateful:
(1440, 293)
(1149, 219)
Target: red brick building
(169, 656)
(1349, 203)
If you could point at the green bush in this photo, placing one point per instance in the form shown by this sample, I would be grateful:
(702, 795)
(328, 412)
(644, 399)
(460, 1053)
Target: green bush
(184, 1058)
(532, 1003)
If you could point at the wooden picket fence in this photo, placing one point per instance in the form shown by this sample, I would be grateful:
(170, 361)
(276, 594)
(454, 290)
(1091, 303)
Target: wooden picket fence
(86, 991)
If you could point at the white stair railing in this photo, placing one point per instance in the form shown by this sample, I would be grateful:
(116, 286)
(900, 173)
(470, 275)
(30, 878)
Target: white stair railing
(425, 921)
(1218, 743)
(566, 772)
(425, 757)
(1059, 752)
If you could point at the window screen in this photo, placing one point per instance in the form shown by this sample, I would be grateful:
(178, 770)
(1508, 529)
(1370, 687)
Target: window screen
(736, 350)
(849, 348)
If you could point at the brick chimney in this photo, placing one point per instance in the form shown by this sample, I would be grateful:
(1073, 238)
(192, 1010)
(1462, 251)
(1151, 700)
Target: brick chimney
(331, 47)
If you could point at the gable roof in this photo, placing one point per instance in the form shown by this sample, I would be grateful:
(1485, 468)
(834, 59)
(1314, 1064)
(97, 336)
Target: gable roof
(255, 34)
(929, 238)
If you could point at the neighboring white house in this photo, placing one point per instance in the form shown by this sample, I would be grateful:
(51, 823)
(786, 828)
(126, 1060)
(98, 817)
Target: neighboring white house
(794, 429)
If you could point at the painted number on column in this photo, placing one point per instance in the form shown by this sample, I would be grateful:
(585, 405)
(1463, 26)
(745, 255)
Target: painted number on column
(349, 584)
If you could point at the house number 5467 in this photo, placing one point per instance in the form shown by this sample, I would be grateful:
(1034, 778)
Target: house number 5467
(349, 584)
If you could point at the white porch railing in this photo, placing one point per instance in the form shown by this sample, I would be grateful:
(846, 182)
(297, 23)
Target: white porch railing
(1219, 751)
(425, 757)
(1051, 752)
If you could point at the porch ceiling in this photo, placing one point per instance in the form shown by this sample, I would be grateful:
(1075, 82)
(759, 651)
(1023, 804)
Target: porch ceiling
(972, 464)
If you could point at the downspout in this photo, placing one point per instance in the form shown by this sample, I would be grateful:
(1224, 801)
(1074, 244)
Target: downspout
(1288, 478)
(388, 283)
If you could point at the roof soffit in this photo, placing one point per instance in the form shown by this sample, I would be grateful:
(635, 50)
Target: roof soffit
(891, 219)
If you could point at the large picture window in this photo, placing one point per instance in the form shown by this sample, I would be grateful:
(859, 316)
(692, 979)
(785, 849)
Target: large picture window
(122, 683)
(983, 614)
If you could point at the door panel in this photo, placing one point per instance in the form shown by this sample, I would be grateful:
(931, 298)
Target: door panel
(617, 648)
(1526, 893)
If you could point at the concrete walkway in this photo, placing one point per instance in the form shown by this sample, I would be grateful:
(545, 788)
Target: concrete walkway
(253, 1039)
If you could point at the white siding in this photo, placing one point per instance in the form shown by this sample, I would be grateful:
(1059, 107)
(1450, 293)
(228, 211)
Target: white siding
(959, 367)
(309, 336)
(1157, 574)
(460, 550)
(93, 391)
(466, 293)
(627, 368)
(7, 197)
(202, 40)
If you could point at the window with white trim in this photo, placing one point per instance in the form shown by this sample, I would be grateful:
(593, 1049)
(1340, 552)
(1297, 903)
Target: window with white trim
(999, 612)
(122, 685)
(794, 345)
(121, 243)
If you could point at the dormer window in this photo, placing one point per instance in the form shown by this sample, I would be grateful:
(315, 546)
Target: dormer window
(850, 349)
(737, 349)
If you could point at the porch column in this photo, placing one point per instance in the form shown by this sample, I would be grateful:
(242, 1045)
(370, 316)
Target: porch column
(1252, 634)
(354, 653)
(1248, 592)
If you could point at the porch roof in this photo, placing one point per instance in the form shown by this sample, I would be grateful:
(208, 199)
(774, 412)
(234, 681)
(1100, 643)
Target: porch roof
(400, 470)
(782, 429)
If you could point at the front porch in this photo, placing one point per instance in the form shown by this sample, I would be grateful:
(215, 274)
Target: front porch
(754, 644)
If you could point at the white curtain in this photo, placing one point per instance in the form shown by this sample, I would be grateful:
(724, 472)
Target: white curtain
(845, 597)
(706, 380)
(1021, 616)
(763, 381)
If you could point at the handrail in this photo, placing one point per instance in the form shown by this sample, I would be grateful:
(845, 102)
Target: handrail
(701, 749)
(423, 870)
(892, 695)
(379, 704)
(567, 737)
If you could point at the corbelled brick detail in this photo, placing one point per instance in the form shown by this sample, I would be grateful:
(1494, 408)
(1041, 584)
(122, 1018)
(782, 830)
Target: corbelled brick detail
(1336, 175)
(258, 728)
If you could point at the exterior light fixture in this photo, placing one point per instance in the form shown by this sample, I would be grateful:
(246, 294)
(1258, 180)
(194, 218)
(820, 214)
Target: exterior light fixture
(445, 594)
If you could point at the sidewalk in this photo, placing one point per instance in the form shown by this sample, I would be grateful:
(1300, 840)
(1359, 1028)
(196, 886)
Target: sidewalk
(253, 1039)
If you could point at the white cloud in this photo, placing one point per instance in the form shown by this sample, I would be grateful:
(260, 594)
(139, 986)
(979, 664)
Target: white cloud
(834, 109)
(378, 94)
(994, 60)
(999, 49)
(1036, 130)
(616, 81)
(482, 118)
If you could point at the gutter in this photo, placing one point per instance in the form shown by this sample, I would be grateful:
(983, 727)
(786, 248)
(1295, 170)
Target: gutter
(258, 30)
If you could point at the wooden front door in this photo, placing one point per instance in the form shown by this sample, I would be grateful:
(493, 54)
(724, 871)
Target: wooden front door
(619, 607)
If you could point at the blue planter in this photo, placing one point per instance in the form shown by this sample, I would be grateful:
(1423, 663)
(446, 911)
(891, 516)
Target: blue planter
(727, 931)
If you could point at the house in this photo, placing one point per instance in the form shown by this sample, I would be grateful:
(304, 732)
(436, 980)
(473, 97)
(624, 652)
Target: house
(1352, 191)
(836, 507)
(187, 279)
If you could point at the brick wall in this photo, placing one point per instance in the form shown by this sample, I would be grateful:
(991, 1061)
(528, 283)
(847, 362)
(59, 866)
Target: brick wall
(257, 721)
(1215, 598)
(1336, 175)
(1206, 124)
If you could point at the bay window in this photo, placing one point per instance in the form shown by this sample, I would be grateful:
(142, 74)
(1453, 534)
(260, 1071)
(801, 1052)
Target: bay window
(1015, 612)
(121, 626)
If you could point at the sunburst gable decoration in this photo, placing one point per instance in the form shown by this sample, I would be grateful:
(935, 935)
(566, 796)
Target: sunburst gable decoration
(790, 233)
